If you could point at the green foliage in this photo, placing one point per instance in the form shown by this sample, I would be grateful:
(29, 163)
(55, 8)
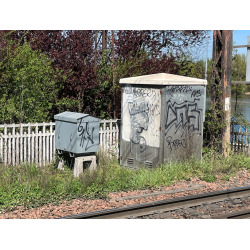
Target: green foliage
(132, 66)
(103, 91)
(239, 67)
(108, 76)
(66, 104)
(28, 84)
(190, 68)
(214, 126)
(32, 186)
(209, 178)
(240, 117)
(209, 76)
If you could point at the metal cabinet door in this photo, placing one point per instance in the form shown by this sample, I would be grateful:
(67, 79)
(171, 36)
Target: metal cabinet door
(184, 113)
(87, 136)
(65, 136)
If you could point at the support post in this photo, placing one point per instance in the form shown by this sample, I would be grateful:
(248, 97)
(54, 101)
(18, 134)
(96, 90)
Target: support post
(78, 167)
(248, 61)
(226, 71)
(222, 75)
(113, 68)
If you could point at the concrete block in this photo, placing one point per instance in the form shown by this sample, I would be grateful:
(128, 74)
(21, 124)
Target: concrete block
(78, 166)
(61, 165)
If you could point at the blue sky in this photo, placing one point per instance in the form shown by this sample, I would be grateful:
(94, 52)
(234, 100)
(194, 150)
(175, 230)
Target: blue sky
(239, 37)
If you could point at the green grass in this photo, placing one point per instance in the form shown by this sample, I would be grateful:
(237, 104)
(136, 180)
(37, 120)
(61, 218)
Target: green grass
(33, 186)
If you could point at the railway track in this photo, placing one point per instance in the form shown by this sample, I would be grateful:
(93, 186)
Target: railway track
(244, 214)
(183, 207)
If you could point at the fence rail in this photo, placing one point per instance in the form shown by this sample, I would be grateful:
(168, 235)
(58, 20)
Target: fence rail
(239, 137)
(35, 142)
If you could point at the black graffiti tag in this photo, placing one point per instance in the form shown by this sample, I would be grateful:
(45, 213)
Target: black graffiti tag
(175, 144)
(85, 135)
(196, 93)
(183, 116)
(150, 108)
(178, 89)
(143, 92)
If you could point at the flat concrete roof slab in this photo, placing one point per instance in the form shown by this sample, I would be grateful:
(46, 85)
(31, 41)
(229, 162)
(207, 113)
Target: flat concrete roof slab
(163, 79)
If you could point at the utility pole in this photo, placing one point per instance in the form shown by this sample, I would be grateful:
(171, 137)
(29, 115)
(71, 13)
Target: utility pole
(113, 67)
(222, 75)
(248, 60)
(206, 57)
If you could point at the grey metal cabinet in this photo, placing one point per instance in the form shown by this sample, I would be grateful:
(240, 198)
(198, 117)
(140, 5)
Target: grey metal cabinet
(76, 133)
(161, 119)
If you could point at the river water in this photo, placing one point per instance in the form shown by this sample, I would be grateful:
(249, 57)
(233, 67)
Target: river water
(243, 103)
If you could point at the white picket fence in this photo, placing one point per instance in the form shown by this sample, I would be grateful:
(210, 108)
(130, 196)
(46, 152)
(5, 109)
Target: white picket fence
(35, 142)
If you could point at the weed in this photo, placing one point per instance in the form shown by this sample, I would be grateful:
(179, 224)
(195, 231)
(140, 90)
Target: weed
(225, 178)
(209, 178)
(33, 186)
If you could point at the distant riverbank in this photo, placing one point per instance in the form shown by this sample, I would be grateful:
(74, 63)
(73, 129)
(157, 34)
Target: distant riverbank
(243, 104)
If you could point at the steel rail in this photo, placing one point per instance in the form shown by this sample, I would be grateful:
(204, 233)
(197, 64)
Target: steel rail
(163, 205)
(243, 214)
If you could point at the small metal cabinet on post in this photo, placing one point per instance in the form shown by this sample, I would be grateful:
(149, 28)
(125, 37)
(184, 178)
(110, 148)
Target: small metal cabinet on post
(77, 134)
(162, 119)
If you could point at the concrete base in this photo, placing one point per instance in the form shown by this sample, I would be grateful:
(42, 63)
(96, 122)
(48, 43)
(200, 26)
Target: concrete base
(78, 167)
(61, 165)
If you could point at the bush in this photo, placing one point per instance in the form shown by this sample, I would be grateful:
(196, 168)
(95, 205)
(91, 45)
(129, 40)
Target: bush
(28, 84)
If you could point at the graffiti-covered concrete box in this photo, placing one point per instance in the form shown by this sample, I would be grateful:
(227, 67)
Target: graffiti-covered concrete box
(76, 133)
(162, 119)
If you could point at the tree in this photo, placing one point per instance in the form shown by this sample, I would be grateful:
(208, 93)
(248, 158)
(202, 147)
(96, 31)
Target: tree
(80, 55)
(28, 84)
(238, 74)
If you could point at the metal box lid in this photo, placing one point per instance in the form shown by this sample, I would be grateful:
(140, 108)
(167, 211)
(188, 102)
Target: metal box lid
(163, 79)
(73, 117)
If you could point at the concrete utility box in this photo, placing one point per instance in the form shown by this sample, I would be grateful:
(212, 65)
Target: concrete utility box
(162, 119)
(76, 133)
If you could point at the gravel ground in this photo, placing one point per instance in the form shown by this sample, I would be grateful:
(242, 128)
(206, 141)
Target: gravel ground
(121, 199)
(205, 211)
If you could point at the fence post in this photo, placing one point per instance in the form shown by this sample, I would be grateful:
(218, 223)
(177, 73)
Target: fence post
(5, 143)
(40, 147)
(21, 143)
(24, 147)
(33, 147)
(50, 138)
(28, 142)
(17, 148)
(1, 147)
(9, 149)
(104, 136)
(117, 139)
(36, 134)
(13, 145)
(47, 146)
(43, 140)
